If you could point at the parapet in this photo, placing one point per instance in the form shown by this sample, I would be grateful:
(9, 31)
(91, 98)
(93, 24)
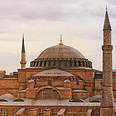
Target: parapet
(2, 74)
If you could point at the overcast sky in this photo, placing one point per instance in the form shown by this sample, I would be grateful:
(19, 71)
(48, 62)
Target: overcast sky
(42, 21)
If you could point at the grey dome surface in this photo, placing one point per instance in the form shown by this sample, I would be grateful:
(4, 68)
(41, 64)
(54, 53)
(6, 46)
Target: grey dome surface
(53, 72)
(61, 51)
(60, 56)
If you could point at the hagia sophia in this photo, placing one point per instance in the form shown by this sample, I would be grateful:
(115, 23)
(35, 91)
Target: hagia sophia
(60, 82)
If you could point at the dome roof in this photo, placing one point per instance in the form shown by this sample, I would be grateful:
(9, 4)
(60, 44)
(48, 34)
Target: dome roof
(60, 56)
(61, 51)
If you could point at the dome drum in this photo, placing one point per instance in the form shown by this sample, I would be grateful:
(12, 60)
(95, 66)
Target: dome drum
(69, 62)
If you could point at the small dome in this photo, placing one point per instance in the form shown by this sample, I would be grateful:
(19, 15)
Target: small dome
(67, 81)
(31, 81)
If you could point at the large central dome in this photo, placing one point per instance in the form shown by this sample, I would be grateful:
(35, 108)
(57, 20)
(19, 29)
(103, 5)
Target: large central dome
(60, 56)
(60, 51)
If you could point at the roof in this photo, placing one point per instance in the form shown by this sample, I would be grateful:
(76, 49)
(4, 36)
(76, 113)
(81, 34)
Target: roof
(96, 98)
(107, 22)
(61, 51)
(23, 46)
(53, 72)
(80, 91)
(49, 102)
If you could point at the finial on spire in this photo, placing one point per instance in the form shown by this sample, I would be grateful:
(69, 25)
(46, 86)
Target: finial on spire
(106, 8)
(60, 40)
(23, 34)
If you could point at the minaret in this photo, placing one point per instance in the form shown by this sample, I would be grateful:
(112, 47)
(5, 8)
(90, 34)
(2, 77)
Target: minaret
(23, 62)
(107, 102)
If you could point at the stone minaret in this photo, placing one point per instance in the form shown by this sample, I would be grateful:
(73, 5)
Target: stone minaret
(23, 62)
(107, 102)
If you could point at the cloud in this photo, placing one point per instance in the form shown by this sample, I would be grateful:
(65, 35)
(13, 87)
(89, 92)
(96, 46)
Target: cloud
(42, 21)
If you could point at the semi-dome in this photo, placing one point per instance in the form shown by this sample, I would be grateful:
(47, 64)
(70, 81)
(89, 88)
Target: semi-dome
(60, 56)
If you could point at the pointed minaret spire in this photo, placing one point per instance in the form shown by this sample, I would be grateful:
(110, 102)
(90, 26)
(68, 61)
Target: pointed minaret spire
(23, 61)
(60, 40)
(106, 22)
(23, 45)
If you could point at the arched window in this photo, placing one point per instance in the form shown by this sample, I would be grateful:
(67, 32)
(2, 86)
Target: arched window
(14, 111)
(75, 63)
(65, 63)
(83, 64)
(70, 63)
(60, 63)
(40, 63)
(37, 64)
(83, 110)
(79, 63)
(44, 63)
(47, 93)
(86, 64)
(95, 112)
(55, 111)
(76, 95)
(54, 63)
(70, 112)
(81, 96)
(49, 63)
(86, 95)
(27, 111)
(40, 111)
(3, 112)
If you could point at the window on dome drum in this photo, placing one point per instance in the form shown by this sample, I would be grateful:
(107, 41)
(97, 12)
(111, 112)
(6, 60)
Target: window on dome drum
(79, 63)
(95, 112)
(3, 112)
(86, 64)
(55, 111)
(60, 63)
(75, 63)
(89, 64)
(83, 64)
(70, 63)
(36, 63)
(49, 63)
(54, 63)
(65, 63)
(70, 112)
(14, 111)
(40, 111)
(44, 63)
(47, 93)
(41, 63)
